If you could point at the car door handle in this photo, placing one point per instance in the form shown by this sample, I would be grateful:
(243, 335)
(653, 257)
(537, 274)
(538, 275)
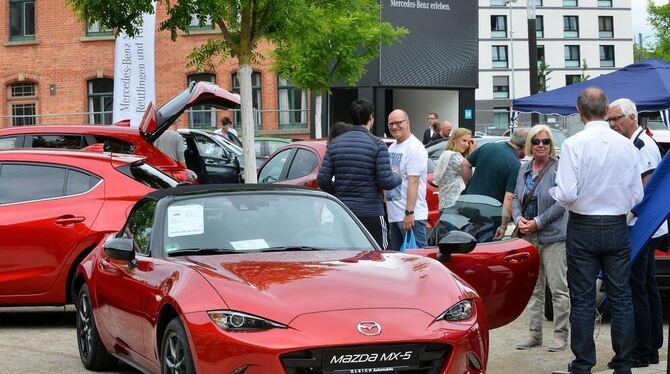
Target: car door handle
(517, 258)
(210, 162)
(69, 219)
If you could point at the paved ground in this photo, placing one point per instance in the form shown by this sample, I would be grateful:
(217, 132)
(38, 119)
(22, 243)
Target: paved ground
(42, 340)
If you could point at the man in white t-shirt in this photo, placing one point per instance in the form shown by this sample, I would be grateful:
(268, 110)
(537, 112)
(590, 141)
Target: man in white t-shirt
(647, 309)
(406, 204)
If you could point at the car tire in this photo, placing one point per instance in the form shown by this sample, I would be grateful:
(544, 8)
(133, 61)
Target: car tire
(175, 352)
(92, 352)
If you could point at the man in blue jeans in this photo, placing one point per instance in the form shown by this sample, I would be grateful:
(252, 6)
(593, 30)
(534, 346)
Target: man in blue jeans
(598, 182)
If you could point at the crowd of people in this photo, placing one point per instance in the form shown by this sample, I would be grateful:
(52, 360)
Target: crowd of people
(575, 209)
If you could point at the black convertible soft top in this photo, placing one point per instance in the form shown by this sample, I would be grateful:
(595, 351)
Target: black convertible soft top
(184, 190)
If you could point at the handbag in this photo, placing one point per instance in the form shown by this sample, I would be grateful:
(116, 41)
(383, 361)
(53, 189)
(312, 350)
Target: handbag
(409, 242)
(516, 233)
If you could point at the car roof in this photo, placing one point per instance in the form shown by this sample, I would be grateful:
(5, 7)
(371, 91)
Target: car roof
(62, 153)
(186, 190)
(69, 129)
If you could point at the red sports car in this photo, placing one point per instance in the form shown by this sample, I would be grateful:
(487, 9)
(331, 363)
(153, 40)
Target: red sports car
(277, 279)
(123, 139)
(298, 164)
(55, 206)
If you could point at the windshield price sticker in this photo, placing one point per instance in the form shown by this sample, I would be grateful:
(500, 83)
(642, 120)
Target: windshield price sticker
(185, 220)
(250, 245)
(384, 359)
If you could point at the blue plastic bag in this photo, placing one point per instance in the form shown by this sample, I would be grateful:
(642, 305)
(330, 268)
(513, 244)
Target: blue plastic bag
(409, 242)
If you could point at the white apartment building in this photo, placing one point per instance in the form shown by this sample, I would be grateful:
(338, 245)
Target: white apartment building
(574, 37)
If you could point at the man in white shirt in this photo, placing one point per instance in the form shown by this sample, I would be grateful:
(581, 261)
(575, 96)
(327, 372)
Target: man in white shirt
(598, 182)
(622, 117)
(406, 204)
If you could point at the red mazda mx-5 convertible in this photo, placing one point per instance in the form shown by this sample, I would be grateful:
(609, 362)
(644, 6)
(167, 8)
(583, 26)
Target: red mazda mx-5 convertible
(274, 279)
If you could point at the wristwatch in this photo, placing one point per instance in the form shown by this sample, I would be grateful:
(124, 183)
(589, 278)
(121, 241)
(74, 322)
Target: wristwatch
(409, 212)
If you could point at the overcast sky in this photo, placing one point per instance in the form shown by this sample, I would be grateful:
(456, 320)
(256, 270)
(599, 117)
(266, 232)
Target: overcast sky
(640, 24)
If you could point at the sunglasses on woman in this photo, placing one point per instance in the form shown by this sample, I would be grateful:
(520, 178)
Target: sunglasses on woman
(538, 141)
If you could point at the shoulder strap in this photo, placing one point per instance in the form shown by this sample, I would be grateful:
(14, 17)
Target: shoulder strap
(526, 201)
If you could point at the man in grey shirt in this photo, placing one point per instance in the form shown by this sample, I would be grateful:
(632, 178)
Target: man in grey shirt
(172, 144)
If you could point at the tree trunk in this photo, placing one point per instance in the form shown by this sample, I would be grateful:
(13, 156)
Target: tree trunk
(318, 130)
(248, 125)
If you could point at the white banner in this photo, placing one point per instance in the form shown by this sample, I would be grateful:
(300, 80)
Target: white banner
(134, 81)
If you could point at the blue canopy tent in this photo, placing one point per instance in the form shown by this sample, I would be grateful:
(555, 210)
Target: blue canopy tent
(647, 83)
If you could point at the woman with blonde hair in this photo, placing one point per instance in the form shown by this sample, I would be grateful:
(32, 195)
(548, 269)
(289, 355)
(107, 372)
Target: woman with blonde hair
(448, 169)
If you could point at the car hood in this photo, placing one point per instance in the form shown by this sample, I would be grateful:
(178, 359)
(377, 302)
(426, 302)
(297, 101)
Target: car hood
(156, 121)
(283, 285)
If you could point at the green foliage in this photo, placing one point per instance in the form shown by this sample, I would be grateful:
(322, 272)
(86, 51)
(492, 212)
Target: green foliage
(659, 19)
(583, 76)
(331, 41)
(543, 71)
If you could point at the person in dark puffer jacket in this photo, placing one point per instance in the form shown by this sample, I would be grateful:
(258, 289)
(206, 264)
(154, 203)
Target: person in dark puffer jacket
(360, 165)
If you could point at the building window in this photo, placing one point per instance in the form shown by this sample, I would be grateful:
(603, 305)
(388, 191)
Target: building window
(501, 87)
(571, 26)
(96, 29)
(500, 118)
(256, 96)
(539, 26)
(22, 99)
(498, 2)
(292, 105)
(498, 26)
(499, 56)
(572, 56)
(606, 56)
(540, 53)
(605, 3)
(570, 3)
(538, 2)
(100, 95)
(21, 19)
(195, 24)
(605, 26)
(202, 116)
(572, 79)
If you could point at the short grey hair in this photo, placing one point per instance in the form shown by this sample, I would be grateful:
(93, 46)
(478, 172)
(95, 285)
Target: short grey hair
(627, 106)
(519, 137)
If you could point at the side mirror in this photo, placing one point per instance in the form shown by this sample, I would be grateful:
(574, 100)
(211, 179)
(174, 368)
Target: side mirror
(120, 249)
(456, 242)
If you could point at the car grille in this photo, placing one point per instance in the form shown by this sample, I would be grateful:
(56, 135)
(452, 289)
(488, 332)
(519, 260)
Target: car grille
(431, 359)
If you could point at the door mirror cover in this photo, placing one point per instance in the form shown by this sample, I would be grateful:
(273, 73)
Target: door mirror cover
(456, 242)
(121, 249)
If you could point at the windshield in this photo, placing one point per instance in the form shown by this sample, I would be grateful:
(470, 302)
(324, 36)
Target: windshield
(477, 215)
(231, 147)
(257, 222)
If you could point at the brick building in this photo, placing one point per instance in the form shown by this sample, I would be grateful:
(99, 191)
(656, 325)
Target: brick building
(55, 69)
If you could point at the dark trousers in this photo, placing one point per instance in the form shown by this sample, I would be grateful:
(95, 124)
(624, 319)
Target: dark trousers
(646, 304)
(594, 243)
(397, 234)
(377, 227)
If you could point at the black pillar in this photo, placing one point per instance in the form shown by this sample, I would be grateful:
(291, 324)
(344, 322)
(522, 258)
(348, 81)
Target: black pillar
(466, 109)
(532, 56)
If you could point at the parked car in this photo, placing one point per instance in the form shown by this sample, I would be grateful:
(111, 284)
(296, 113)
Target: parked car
(55, 206)
(122, 139)
(298, 164)
(213, 158)
(436, 148)
(278, 279)
(265, 146)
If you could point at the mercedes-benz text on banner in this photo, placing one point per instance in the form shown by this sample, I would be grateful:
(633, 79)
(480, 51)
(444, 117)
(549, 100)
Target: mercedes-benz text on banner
(134, 81)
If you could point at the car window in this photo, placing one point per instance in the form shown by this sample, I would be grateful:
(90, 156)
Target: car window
(273, 146)
(139, 227)
(258, 149)
(78, 182)
(115, 145)
(8, 142)
(271, 171)
(57, 141)
(303, 164)
(208, 148)
(22, 182)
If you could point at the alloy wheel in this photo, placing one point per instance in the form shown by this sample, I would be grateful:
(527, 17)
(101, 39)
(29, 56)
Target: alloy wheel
(84, 325)
(174, 354)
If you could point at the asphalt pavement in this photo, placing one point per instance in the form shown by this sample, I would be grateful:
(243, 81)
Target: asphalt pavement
(43, 340)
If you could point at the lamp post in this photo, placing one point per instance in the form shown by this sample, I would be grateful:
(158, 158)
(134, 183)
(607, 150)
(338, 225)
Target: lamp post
(532, 56)
(511, 48)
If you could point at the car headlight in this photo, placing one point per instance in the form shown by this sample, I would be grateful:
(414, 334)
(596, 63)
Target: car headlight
(460, 311)
(238, 321)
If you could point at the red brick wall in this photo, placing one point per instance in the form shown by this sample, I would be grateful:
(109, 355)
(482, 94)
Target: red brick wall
(63, 56)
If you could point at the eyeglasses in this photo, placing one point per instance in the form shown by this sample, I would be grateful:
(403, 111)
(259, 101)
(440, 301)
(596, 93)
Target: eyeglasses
(614, 119)
(396, 123)
(546, 141)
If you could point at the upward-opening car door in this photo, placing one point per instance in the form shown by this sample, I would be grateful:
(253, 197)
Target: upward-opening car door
(502, 272)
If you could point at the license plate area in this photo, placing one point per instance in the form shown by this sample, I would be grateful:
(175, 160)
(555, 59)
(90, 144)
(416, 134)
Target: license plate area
(374, 359)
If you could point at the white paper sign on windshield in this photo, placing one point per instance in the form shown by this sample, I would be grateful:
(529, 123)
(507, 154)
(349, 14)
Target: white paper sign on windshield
(250, 245)
(185, 220)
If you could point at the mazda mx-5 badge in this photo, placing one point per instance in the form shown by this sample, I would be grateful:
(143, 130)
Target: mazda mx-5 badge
(369, 328)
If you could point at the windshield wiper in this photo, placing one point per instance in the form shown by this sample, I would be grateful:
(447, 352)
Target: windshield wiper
(294, 248)
(203, 251)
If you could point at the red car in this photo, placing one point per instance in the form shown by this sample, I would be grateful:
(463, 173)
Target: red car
(55, 206)
(298, 164)
(276, 279)
(123, 139)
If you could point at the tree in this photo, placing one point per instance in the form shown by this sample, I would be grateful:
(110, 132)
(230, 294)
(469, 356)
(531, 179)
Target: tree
(659, 19)
(331, 41)
(543, 73)
(242, 24)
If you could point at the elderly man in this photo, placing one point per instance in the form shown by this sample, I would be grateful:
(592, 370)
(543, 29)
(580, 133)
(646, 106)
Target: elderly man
(622, 118)
(406, 205)
(598, 182)
(445, 129)
(497, 166)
